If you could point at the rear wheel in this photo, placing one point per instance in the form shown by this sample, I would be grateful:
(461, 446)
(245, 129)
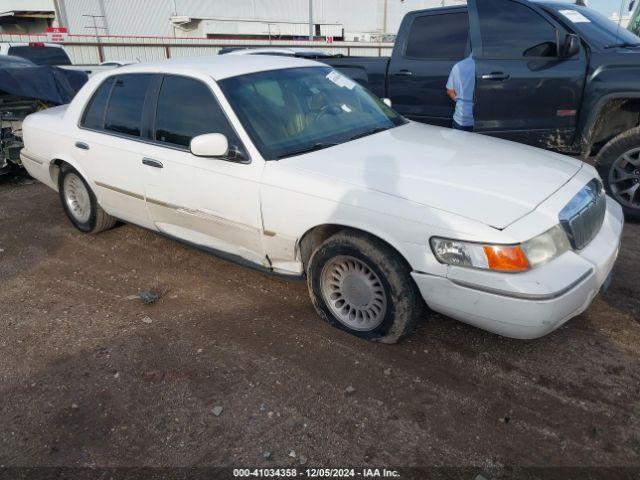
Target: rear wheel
(362, 286)
(80, 203)
(619, 166)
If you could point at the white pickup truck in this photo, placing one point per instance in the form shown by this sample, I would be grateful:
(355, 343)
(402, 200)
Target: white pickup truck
(286, 165)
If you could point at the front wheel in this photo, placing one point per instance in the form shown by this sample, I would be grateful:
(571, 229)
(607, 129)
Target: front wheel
(362, 286)
(618, 164)
(80, 203)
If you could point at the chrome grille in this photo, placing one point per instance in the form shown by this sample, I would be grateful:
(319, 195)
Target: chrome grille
(582, 217)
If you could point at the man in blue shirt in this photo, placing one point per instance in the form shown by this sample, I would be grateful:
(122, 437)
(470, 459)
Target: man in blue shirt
(461, 89)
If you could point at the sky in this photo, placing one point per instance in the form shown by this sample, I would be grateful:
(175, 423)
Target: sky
(609, 6)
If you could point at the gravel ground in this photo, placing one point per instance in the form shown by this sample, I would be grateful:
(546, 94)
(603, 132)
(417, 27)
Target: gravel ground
(231, 366)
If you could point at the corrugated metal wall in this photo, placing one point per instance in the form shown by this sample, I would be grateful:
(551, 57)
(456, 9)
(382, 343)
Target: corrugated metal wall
(84, 50)
(151, 17)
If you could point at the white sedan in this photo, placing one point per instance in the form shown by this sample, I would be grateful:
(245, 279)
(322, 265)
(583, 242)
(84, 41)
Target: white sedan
(288, 166)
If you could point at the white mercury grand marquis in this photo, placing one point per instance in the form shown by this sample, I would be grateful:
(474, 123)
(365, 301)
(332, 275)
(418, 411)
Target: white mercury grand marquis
(287, 165)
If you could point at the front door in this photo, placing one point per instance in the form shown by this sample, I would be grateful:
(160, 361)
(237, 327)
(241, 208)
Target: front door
(210, 202)
(527, 90)
(422, 61)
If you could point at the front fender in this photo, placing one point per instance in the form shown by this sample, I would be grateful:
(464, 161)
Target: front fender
(607, 89)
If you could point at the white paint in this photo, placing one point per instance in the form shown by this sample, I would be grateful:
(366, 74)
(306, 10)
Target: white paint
(403, 186)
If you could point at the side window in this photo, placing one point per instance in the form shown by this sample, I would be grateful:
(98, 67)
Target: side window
(439, 36)
(94, 113)
(186, 109)
(124, 112)
(512, 30)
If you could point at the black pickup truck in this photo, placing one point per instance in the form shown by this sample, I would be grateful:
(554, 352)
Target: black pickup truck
(548, 74)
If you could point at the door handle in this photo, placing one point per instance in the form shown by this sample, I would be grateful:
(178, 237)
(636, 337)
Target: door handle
(150, 162)
(496, 76)
(82, 145)
(403, 73)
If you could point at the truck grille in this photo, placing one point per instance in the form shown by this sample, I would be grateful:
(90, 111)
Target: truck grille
(582, 217)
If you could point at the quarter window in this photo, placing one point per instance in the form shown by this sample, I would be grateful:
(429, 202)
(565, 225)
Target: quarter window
(124, 112)
(513, 30)
(439, 36)
(94, 113)
(186, 109)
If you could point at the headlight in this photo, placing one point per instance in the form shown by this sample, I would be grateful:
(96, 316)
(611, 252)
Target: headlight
(502, 258)
(546, 246)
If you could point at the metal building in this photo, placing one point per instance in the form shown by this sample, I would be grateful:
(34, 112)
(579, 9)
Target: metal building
(351, 20)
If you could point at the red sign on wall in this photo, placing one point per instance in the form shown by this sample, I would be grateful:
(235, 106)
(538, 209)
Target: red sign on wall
(56, 34)
(329, 39)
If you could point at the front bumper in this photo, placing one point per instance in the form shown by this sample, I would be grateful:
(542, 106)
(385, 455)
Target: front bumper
(531, 304)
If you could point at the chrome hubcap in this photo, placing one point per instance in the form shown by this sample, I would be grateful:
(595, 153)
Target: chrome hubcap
(354, 293)
(77, 198)
(624, 179)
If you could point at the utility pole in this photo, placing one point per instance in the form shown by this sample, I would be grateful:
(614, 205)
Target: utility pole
(103, 14)
(311, 26)
(384, 17)
(95, 30)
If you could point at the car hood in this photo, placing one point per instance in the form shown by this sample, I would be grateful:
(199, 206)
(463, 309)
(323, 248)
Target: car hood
(489, 180)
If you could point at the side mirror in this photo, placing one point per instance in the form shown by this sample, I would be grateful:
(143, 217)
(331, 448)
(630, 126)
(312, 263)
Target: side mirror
(571, 46)
(387, 102)
(210, 145)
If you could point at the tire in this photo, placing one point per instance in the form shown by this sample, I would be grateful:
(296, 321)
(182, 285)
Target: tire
(363, 272)
(80, 203)
(614, 169)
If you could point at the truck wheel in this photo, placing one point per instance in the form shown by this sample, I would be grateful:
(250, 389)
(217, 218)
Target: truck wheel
(618, 164)
(80, 203)
(362, 286)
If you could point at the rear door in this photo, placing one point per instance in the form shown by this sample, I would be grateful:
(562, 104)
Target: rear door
(525, 89)
(430, 45)
(109, 147)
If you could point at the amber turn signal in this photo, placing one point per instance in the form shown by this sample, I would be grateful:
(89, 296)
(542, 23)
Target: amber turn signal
(506, 259)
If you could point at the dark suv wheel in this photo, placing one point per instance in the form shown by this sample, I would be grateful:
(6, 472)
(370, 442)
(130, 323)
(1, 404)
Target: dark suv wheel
(618, 164)
(362, 286)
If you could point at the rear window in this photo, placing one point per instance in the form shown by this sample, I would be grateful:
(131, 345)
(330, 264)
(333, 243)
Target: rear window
(41, 55)
(439, 36)
(94, 114)
(124, 112)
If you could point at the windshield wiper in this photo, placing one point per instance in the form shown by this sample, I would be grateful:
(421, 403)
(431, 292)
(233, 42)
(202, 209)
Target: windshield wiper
(313, 148)
(623, 45)
(369, 132)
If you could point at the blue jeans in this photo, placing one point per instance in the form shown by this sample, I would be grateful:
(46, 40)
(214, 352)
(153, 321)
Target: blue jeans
(457, 126)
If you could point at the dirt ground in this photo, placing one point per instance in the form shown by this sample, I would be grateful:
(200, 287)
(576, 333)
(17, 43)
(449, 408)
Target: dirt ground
(91, 376)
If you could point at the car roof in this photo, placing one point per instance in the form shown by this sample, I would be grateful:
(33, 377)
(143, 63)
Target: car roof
(220, 66)
(26, 44)
(555, 4)
(282, 51)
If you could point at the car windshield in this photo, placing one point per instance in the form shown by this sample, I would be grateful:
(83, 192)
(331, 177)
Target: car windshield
(597, 27)
(293, 111)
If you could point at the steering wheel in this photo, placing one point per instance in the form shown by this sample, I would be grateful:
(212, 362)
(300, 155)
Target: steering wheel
(327, 109)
